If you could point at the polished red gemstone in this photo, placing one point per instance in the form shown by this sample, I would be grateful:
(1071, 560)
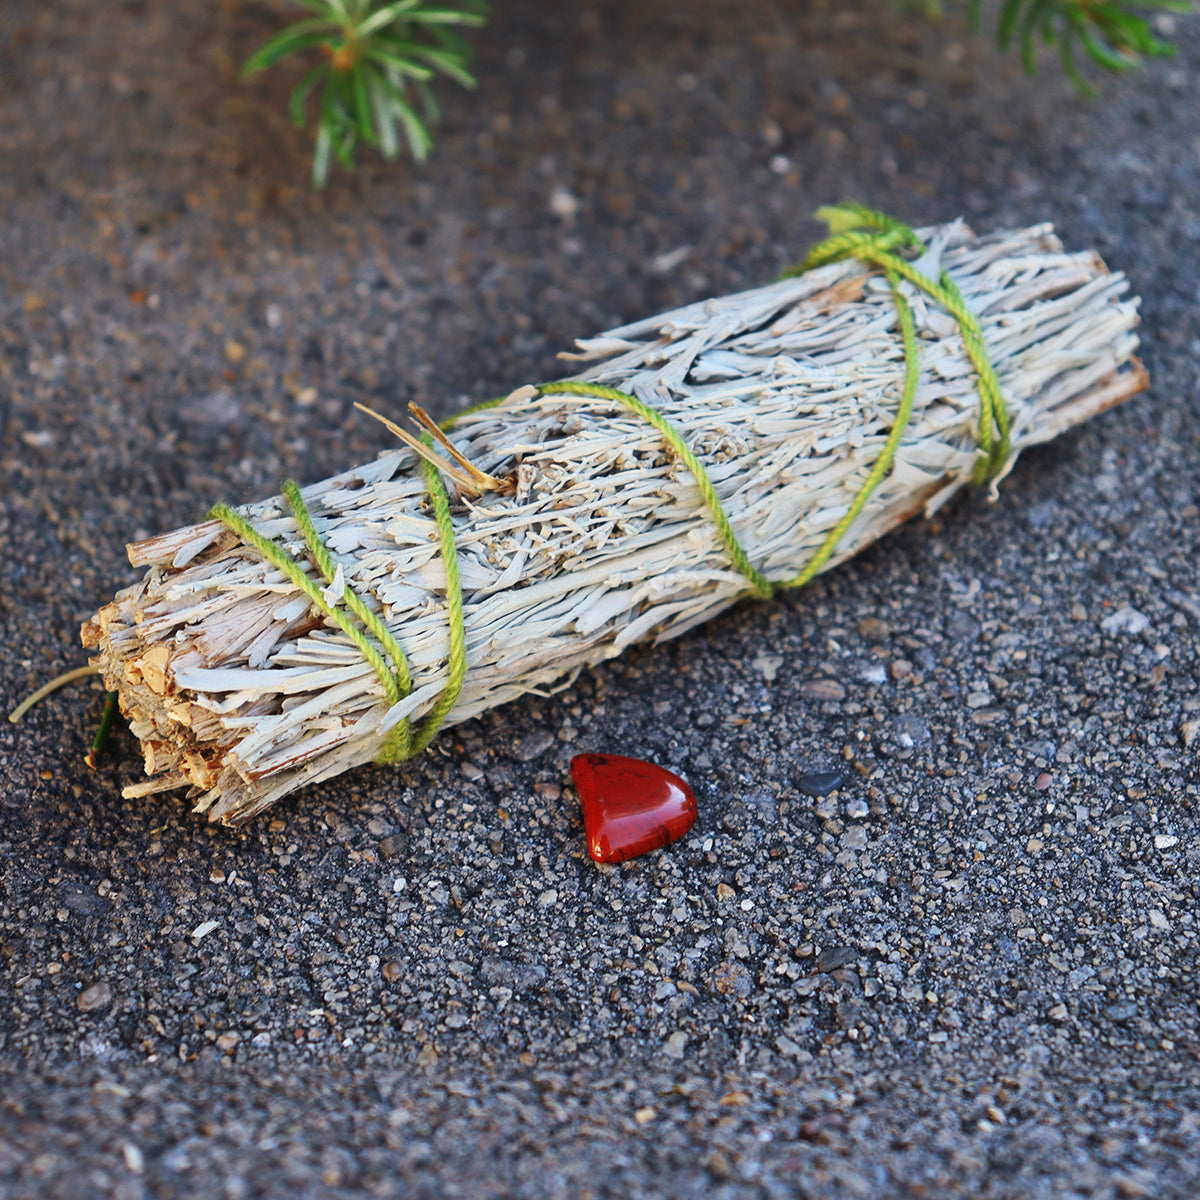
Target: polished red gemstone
(630, 807)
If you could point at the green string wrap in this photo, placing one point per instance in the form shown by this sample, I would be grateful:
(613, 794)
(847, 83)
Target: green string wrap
(846, 223)
(454, 601)
(397, 680)
(883, 464)
(401, 743)
(855, 232)
(759, 584)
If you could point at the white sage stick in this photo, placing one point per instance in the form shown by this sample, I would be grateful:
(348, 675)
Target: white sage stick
(239, 689)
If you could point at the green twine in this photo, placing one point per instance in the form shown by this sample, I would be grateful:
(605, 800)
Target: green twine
(847, 223)
(458, 628)
(883, 464)
(855, 232)
(871, 237)
(759, 584)
(401, 742)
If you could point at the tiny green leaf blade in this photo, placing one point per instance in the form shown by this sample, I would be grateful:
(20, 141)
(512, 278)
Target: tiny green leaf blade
(447, 16)
(1067, 55)
(301, 36)
(404, 66)
(1010, 15)
(1098, 52)
(419, 140)
(448, 65)
(301, 93)
(321, 151)
(364, 119)
(385, 118)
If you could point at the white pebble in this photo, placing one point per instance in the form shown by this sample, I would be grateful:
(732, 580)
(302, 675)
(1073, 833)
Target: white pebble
(1125, 620)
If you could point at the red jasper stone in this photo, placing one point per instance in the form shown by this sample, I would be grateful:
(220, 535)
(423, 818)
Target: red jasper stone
(630, 807)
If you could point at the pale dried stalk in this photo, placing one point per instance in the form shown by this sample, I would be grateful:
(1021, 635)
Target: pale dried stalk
(240, 691)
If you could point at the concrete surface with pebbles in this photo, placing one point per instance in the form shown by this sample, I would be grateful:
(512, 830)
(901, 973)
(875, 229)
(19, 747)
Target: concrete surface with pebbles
(934, 933)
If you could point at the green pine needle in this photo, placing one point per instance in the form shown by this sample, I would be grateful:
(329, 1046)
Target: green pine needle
(379, 56)
(1109, 32)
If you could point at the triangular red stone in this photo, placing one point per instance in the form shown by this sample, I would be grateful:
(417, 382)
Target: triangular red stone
(630, 807)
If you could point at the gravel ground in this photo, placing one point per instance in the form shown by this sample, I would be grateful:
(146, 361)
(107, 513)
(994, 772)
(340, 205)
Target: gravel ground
(969, 970)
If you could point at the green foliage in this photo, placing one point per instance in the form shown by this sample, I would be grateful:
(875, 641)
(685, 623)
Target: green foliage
(1109, 31)
(380, 56)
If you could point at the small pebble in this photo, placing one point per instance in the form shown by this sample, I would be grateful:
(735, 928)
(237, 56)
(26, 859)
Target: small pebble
(1131, 1188)
(535, 745)
(872, 672)
(824, 689)
(563, 204)
(874, 629)
(1043, 781)
(1122, 1011)
(1125, 620)
(769, 665)
(94, 998)
(675, 1045)
(820, 783)
(832, 957)
(855, 838)
(733, 979)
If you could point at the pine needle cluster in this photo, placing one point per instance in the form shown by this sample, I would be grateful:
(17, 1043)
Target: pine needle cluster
(379, 58)
(1109, 32)
(374, 83)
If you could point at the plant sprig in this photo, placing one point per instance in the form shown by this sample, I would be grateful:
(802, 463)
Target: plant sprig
(380, 56)
(1110, 32)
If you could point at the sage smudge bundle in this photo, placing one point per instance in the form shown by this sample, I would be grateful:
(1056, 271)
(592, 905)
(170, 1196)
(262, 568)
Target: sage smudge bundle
(576, 528)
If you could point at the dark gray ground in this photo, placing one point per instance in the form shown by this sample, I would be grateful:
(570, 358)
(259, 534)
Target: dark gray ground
(970, 971)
